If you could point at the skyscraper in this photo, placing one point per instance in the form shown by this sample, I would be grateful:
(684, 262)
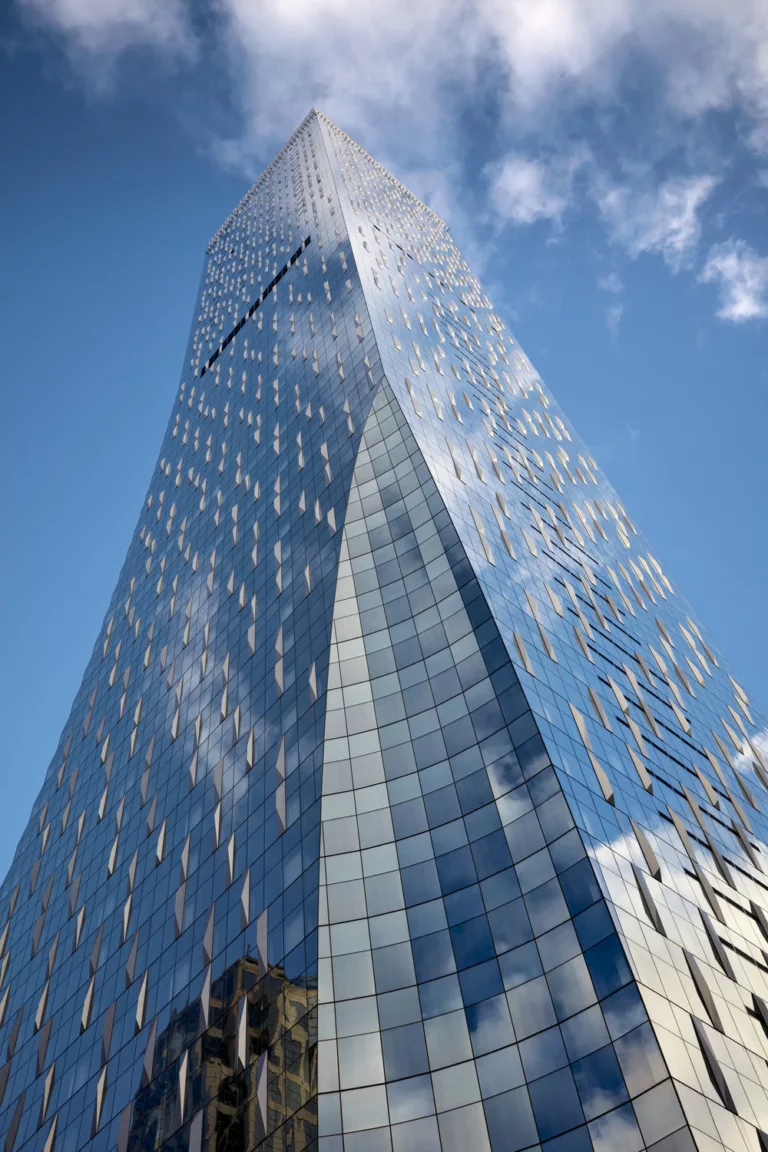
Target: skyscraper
(404, 806)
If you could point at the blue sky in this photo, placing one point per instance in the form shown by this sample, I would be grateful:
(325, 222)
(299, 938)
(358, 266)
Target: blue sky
(603, 164)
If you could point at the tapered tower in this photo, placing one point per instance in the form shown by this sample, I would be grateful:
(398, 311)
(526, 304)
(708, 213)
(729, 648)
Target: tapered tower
(404, 806)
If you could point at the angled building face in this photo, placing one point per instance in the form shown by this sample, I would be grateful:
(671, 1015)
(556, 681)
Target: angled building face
(404, 806)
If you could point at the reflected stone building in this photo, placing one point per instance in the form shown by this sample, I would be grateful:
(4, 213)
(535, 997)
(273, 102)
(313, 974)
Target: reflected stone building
(240, 1059)
(404, 806)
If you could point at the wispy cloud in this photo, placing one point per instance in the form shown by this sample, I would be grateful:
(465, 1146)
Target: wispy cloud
(403, 77)
(742, 278)
(96, 32)
(368, 61)
(611, 283)
(524, 189)
(382, 70)
(663, 220)
(613, 315)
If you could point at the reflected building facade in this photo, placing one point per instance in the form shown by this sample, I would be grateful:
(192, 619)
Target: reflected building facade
(245, 1051)
(404, 805)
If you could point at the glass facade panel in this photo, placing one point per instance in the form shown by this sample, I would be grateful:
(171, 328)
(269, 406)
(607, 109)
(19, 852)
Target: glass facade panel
(404, 805)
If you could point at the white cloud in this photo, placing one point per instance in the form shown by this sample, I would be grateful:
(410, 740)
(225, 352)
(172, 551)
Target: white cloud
(524, 190)
(394, 72)
(378, 69)
(376, 65)
(611, 283)
(741, 274)
(399, 76)
(103, 29)
(613, 316)
(665, 220)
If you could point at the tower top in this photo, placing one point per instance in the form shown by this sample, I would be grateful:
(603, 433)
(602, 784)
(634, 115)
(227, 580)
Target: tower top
(314, 113)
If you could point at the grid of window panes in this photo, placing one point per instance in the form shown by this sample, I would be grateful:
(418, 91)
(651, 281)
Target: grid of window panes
(473, 992)
(177, 832)
(658, 750)
(404, 804)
